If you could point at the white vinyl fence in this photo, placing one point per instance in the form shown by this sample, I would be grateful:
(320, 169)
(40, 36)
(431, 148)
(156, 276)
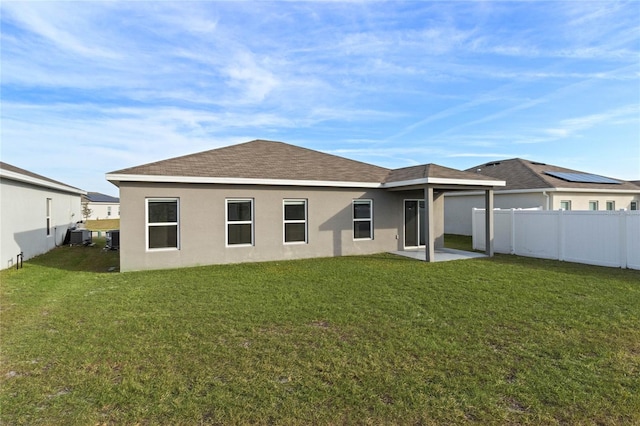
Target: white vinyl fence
(605, 238)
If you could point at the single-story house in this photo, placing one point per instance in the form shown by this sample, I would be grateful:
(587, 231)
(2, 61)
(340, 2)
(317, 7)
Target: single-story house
(532, 184)
(100, 206)
(35, 213)
(265, 200)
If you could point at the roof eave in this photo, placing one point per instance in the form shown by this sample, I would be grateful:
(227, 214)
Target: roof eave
(552, 189)
(116, 179)
(6, 174)
(445, 181)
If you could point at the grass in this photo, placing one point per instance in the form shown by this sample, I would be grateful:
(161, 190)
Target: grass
(353, 340)
(102, 224)
(458, 242)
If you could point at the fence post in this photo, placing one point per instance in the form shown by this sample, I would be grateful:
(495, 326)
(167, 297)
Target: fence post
(512, 242)
(561, 235)
(474, 238)
(623, 238)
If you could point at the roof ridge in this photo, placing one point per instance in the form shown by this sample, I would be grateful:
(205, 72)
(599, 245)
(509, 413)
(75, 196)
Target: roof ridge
(538, 176)
(263, 159)
(240, 145)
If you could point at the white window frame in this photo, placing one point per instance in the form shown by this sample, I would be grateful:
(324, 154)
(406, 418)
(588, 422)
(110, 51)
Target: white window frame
(148, 225)
(567, 202)
(238, 222)
(610, 203)
(108, 211)
(595, 204)
(354, 219)
(49, 210)
(295, 201)
(633, 205)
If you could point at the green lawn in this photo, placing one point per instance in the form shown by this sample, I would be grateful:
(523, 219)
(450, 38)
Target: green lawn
(102, 224)
(354, 340)
(458, 242)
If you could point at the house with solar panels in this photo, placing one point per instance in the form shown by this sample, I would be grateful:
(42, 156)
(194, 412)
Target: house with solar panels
(101, 206)
(535, 185)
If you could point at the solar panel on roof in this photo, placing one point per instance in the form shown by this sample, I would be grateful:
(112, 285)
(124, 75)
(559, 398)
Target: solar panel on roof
(582, 177)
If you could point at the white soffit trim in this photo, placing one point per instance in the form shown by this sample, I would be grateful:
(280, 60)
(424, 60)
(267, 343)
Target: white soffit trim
(290, 182)
(237, 181)
(445, 181)
(40, 182)
(599, 191)
(509, 191)
(541, 190)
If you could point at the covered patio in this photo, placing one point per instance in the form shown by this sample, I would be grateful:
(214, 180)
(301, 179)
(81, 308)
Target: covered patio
(425, 186)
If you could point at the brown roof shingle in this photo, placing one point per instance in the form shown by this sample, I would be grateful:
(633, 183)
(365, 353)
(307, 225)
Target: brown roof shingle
(260, 159)
(432, 171)
(525, 174)
(14, 169)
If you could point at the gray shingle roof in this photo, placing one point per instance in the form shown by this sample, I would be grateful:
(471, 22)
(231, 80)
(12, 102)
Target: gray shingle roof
(525, 174)
(432, 171)
(10, 168)
(96, 197)
(262, 159)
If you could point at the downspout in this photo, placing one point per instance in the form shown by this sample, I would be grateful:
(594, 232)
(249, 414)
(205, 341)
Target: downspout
(547, 198)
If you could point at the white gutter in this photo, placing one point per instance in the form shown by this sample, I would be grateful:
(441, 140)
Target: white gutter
(113, 178)
(445, 181)
(6, 174)
(236, 181)
(537, 190)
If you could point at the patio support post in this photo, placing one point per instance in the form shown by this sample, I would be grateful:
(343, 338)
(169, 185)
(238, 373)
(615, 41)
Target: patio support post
(430, 230)
(488, 222)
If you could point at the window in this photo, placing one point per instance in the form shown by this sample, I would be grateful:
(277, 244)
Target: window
(593, 205)
(295, 221)
(565, 205)
(611, 205)
(634, 205)
(240, 222)
(108, 210)
(162, 223)
(49, 201)
(362, 219)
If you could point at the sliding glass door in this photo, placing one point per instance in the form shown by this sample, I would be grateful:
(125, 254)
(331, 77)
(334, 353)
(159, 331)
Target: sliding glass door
(414, 223)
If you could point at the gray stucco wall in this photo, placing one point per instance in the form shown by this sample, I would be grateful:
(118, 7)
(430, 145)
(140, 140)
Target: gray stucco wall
(202, 224)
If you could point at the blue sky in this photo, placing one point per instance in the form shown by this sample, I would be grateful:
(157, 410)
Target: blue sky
(92, 87)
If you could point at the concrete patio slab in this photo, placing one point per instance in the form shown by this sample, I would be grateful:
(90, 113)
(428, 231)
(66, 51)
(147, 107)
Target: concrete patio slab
(441, 254)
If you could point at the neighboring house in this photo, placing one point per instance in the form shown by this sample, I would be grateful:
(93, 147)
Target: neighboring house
(263, 200)
(101, 206)
(532, 184)
(35, 213)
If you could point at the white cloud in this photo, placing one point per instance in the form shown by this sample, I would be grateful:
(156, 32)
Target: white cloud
(254, 80)
(571, 126)
(55, 24)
